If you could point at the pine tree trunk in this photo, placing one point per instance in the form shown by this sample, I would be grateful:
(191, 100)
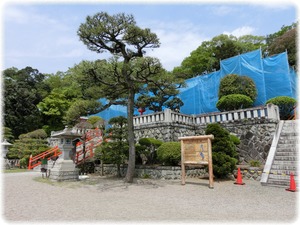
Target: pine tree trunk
(131, 160)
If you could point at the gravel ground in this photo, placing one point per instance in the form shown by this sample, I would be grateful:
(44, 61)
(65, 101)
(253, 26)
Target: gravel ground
(29, 198)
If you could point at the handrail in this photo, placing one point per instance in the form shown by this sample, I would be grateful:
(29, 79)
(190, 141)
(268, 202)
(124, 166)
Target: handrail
(33, 161)
(91, 143)
(268, 111)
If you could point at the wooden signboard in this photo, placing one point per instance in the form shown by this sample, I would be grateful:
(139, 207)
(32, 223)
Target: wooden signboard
(196, 150)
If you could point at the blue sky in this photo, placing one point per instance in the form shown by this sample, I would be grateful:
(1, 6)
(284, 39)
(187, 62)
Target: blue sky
(43, 35)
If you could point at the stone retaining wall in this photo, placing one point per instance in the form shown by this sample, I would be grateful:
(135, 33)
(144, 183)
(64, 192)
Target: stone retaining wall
(174, 172)
(256, 134)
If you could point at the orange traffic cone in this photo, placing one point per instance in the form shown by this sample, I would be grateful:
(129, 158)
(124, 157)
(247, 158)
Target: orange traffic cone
(292, 183)
(239, 178)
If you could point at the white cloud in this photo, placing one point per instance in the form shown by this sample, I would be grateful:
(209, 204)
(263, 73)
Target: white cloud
(178, 40)
(240, 31)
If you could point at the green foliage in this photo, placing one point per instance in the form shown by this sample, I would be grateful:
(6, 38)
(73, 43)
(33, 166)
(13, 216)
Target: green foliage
(284, 40)
(207, 56)
(30, 143)
(24, 89)
(285, 104)
(150, 142)
(223, 164)
(254, 163)
(235, 84)
(81, 107)
(8, 135)
(223, 150)
(234, 102)
(148, 147)
(169, 153)
(115, 151)
(96, 121)
(156, 97)
(236, 141)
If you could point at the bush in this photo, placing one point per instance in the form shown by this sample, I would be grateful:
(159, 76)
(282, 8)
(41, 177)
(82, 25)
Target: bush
(147, 147)
(233, 102)
(235, 84)
(285, 104)
(224, 153)
(169, 153)
(223, 164)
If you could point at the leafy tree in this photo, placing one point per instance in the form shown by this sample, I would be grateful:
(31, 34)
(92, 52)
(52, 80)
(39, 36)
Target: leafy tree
(169, 153)
(128, 71)
(207, 56)
(236, 92)
(235, 84)
(30, 143)
(286, 42)
(224, 153)
(24, 89)
(147, 148)
(155, 98)
(285, 104)
(8, 135)
(234, 102)
(116, 150)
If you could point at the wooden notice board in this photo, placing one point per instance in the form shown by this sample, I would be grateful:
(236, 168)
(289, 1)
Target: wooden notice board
(196, 150)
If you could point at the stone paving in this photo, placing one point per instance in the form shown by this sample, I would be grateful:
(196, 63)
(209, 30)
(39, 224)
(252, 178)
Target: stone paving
(26, 197)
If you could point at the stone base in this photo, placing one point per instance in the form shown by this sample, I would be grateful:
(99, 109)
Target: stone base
(64, 170)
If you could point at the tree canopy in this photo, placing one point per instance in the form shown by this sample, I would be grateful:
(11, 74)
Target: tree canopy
(127, 71)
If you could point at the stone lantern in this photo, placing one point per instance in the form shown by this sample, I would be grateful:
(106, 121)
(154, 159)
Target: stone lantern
(64, 167)
(4, 149)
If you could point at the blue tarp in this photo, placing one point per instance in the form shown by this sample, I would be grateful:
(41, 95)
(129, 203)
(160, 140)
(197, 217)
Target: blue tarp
(272, 76)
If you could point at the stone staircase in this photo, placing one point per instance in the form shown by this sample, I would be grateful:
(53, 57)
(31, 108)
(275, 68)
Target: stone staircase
(283, 156)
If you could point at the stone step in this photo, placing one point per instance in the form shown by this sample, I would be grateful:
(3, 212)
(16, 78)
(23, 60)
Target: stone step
(288, 147)
(292, 163)
(284, 167)
(283, 172)
(278, 183)
(286, 153)
(288, 141)
(285, 158)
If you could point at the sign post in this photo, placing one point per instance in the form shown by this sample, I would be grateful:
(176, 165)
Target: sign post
(196, 150)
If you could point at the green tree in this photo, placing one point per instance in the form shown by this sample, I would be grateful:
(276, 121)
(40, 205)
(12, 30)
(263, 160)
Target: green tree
(29, 143)
(155, 98)
(224, 153)
(23, 90)
(235, 84)
(286, 42)
(128, 70)
(116, 150)
(206, 58)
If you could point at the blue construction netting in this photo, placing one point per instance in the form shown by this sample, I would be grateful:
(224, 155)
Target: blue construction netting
(272, 76)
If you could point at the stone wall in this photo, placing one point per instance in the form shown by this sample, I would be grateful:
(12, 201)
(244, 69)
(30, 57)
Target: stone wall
(256, 134)
(174, 172)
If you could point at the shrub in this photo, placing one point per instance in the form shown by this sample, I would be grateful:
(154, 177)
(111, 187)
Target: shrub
(223, 164)
(169, 153)
(235, 84)
(148, 148)
(233, 102)
(224, 153)
(285, 104)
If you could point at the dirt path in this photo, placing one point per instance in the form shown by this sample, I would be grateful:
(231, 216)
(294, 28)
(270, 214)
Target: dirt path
(26, 198)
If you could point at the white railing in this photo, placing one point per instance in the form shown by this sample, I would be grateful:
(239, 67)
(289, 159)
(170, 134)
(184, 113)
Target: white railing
(269, 111)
